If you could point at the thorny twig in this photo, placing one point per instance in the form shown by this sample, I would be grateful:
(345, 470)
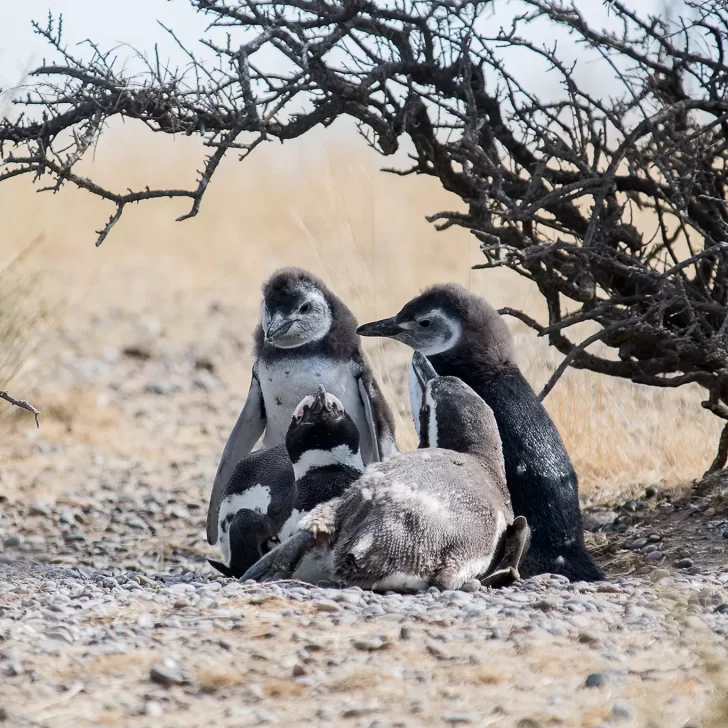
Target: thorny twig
(611, 201)
(23, 404)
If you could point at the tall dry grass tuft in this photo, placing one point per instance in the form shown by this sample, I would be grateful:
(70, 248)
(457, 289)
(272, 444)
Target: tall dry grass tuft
(322, 204)
(25, 315)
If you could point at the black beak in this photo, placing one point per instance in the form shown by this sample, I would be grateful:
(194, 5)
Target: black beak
(319, 403)
(424, 371)
(385, 327)
(277, 328)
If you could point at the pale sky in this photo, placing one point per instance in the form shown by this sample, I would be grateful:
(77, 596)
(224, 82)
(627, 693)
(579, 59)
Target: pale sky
(135, 22)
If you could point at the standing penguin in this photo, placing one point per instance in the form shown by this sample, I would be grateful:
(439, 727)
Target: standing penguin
(465, 337)
(306, 338)
(432, 517)
(271, 489)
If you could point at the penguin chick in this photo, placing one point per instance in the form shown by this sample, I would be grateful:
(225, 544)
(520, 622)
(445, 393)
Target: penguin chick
(270, 489)
(465, 337)
(433, 517)
(306, 338)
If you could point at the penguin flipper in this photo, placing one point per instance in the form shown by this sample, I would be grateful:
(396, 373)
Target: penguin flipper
(368, 411)
(248, 428)
(517, 539)
(281, 562)
(377, 412)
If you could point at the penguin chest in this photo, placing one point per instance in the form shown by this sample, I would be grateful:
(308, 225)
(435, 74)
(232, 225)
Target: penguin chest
(285, 384)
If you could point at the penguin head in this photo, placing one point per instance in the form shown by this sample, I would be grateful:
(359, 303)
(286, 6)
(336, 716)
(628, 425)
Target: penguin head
(446, 317)
(322, 433)
(296, 309)
(452, 415)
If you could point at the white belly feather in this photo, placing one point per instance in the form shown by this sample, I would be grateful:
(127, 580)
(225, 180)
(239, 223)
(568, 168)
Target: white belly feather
(256, 498)
(284, 385)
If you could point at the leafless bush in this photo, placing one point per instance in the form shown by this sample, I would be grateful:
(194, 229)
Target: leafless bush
(550, 186)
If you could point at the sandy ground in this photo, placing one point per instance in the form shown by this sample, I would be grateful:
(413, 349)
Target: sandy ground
(138, 356)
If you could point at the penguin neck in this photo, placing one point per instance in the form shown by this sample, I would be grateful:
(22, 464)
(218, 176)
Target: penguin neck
(339, 455)
(476, 366)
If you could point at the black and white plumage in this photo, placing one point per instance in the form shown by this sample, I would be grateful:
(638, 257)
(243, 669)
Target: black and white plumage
(306, 338)
(271, 489)
(433, 517)
(464, 337)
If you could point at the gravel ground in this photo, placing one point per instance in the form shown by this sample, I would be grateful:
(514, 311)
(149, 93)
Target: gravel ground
(84, 647)
(145, 633)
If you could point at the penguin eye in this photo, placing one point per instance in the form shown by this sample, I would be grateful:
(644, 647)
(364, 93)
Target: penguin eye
(425, 323)
(305, 308)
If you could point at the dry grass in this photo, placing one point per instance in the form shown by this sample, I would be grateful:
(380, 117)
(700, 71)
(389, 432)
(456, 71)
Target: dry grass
(324, 205)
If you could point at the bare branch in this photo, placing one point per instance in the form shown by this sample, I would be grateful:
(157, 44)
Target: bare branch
(611, 201)
(23, 404)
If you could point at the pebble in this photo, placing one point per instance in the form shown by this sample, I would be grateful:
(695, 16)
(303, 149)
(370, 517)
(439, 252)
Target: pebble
(154, 709)
(327, 606)
(596, 680)
(370, 645)
(360, 710)
(622, 712)
(684, 563)
(594, 520)
(166, 675)
(459, 718)
(637, 544)
(40, 509)
(13, 541)
(654, 556)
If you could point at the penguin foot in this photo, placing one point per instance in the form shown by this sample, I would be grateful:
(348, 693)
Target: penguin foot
(281, 562)
(224, 570)
(516, 542)
(501, 577)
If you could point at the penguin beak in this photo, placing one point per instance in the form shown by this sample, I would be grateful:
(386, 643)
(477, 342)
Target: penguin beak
(319, 403)
(424, 371)
(386, 327)
(278, 326)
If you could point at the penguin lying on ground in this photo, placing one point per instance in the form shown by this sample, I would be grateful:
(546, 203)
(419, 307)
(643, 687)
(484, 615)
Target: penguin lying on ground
(306, 338)
(438, 516)
(271, 489)
(465, 337)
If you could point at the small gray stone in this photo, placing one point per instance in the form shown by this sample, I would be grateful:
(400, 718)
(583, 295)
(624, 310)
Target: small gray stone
(595, 520)
(684, 563)
(326, 606)
(13, 541)
(471, 586)
(405, 633)
(459, 718)
(360, 710)
(166, 675)
(636, 544)
(74, 537)
(622, 712)
(40, 509)
(371, 645)
(654, 556)
(596, 680)
(154, 709)
(160, 387)
(438, 652)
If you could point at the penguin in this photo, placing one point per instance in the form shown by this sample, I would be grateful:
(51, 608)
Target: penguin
(271, 489)
(437, 516)
(463, 336)
(306, 338)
